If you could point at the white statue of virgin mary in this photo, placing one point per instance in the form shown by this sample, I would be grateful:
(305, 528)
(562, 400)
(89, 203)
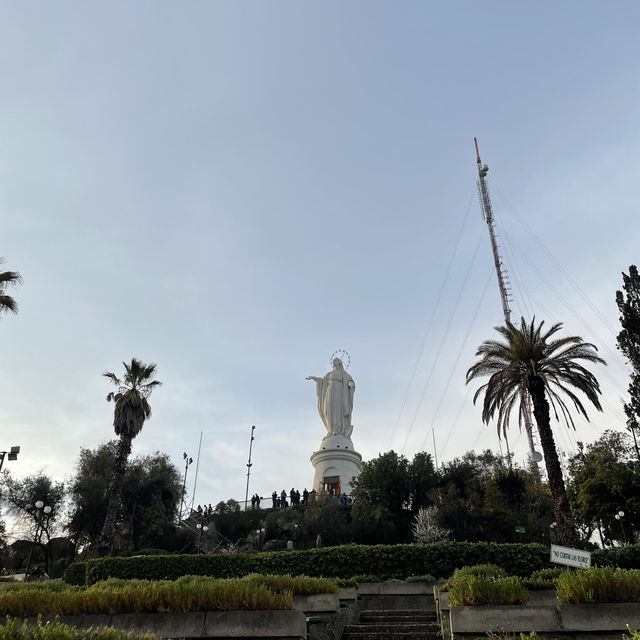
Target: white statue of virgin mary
(335, 399)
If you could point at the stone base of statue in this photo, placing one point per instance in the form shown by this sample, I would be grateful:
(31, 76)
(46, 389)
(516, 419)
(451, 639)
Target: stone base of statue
(335, 464)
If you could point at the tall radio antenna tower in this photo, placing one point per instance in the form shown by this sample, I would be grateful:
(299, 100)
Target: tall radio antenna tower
(503, 285)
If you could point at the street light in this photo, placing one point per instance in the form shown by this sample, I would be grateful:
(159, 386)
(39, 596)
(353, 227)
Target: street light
(260, 533)
(187, 462)
(619, 517)
(202, 528)
(12, 455)
(41, 513)
(552, 531)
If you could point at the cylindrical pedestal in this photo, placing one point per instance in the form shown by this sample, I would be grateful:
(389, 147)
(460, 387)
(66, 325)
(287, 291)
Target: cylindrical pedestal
(335, 464)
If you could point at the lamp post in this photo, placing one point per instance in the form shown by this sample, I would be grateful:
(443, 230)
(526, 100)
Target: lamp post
(202, 528)
(619, 517)
(552, 531)
(12, 454)
(260, 533)
(633, 426)
(187, 462)
(42, 511)
(246, 494)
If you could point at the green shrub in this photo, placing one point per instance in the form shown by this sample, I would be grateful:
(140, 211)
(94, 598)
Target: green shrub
(426, 579)
(384, 561)
(76, 573)
(626, 557)
(635, 635)
(598, 584)
(12, 630)
(367, 577)
(190, 593)
(475, 590)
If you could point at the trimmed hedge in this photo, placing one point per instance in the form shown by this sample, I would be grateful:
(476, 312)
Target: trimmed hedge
(627, 557)
(440, 559)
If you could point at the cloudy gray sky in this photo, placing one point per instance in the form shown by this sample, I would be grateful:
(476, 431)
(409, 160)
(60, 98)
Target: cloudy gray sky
(236, 189)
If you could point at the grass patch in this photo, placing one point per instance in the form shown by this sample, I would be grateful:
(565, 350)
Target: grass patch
(13, 630)
(482, 571)
(346, 582)
(114, 596)
(474, 590)
(548, 574)
(298, 585)
(598, 584)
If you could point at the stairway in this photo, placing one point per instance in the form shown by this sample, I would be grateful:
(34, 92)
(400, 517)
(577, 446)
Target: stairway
(394, 624)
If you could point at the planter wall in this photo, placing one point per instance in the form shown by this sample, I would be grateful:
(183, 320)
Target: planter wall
(275, 625)
(560, 618)
(317, 603)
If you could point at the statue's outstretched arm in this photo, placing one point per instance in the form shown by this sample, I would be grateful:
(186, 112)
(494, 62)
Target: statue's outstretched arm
(314, 378)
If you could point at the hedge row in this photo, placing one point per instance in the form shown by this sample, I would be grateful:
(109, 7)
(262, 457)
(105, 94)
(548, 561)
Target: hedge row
(387, 561)
(440, 559)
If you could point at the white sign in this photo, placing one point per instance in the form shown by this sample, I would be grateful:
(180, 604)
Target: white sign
(570, 557)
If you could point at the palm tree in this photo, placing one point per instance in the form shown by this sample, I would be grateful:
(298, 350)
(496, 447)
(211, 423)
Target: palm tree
(7, 303)
(547, 368)
(131, 410)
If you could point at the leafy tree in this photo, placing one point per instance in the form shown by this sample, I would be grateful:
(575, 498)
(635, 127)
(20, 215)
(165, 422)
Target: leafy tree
(131, 410)
(34, 524)
(387, 493)
(480, 498)
(605, 479)
(8, 278)
(151, 494)
(548, 368)
(628, 302)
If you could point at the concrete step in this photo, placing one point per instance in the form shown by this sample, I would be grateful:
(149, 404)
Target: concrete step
(396, 612)
(374, 619)
(394, 627)
(415, 635)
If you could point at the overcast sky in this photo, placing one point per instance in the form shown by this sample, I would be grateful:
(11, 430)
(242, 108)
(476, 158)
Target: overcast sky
(234, 190)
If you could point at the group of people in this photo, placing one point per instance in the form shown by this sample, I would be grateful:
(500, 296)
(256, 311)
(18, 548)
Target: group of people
(295, 498)
(206, 510)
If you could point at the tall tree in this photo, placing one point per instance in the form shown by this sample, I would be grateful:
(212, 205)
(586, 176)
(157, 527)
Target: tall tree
(547, 367)
(8, 278)
(131, 410)
(628, 302)
(151, 493)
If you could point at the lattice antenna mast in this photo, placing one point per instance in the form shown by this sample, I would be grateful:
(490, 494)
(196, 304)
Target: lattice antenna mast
(503, 284)
(487, 214)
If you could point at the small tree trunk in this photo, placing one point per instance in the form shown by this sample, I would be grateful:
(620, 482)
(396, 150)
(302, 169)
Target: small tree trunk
(566, 525)
(123, 450)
